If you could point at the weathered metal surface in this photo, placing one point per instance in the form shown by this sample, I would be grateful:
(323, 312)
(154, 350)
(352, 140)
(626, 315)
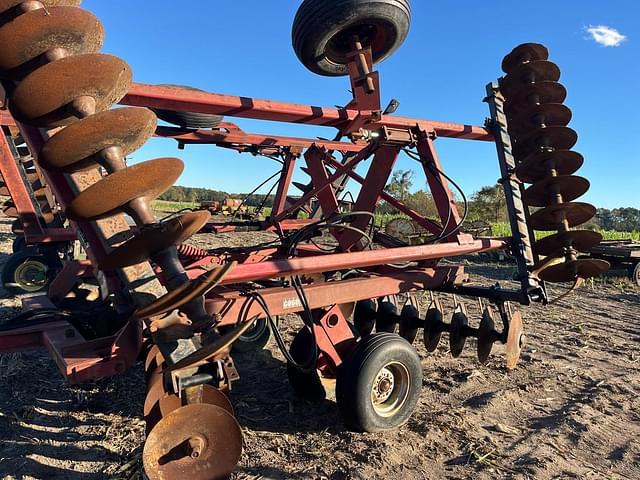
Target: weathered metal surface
(198, 442)
(35, 33)
(76, 147)
(553, 217)
(486, 335)
(530, 72)
(546, 114)
(43, 97)
(515, 339)
(536, 166)
(524, 53)
(573, 269)
(155, 238)
(561, 138)
(545, 192)
(184, 293)
(111, 194)
(581, 240)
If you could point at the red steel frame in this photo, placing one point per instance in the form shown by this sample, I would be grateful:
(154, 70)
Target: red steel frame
(268, 263)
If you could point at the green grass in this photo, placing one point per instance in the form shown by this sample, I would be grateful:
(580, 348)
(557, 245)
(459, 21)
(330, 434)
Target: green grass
(503, 230)
(167, 206)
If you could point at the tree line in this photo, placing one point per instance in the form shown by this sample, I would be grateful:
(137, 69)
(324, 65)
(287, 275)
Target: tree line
(486, 205)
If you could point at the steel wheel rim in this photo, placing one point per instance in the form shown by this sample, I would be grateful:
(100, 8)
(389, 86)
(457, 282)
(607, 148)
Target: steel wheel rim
(25, 273)
(390, 389)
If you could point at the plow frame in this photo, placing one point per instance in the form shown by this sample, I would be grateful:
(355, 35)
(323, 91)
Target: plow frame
(361, 121)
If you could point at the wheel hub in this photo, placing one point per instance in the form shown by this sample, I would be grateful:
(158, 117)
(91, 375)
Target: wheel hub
(383, 385)
(31, 275)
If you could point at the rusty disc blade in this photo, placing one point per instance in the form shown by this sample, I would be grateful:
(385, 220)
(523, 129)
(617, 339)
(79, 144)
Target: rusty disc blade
(74, 148)
(515, 340)
(581, 240)
(195, 442)
(155, 392)
(32, 34)
(545, 191)
(211, 350)
(161, 409)
(213, 396)
(573, 269)
(546, 114)
(150, 360)
(560, 138)
(530, 72)
(108, 196)
(43, 97)
(485, 335)
(538, 165)
(531, 94)
(8, 9)
(526, 52)
(155, 238)
(552, 217)
(184, 293)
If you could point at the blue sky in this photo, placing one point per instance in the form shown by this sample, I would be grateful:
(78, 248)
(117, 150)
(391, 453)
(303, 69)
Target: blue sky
(453, 50)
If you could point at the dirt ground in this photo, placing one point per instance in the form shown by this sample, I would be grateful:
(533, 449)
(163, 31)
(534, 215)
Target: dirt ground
(570, 410)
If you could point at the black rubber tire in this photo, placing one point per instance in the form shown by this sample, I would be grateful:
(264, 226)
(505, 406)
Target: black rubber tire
(306, 385)
(256, 338)
(19, 244)
(11, 271)
(322, 30)
(356, 377)
(190, 120)
(635, 273)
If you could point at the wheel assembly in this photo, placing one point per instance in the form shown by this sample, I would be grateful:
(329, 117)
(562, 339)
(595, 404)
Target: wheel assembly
(324, 31)
(379, 384)
(28, 272)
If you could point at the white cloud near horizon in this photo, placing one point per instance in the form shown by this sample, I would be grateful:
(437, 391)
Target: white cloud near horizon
(605, 36)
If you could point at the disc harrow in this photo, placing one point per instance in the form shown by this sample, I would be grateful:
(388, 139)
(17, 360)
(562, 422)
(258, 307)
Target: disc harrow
(189, 309)
(542, 145)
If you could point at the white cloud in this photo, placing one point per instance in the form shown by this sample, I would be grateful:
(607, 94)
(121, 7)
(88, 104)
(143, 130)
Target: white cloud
(606, 36)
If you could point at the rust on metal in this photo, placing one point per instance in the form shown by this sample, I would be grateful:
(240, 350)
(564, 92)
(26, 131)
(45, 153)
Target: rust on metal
(553, 217)
(10, 9)
(155, 238)
(33, 34)
(574, 269)
(161, 409)
(42, 98)
(526, 52)
(75, 147)
(111, 194)
(196, 442)
(537, 165)
(546, 114)
(534, 94)
(561, 138)
(184, 293)
(155, 392)
(219, 348)
(545, 192)
(530, 72)
(515, 340)
(581, 240)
